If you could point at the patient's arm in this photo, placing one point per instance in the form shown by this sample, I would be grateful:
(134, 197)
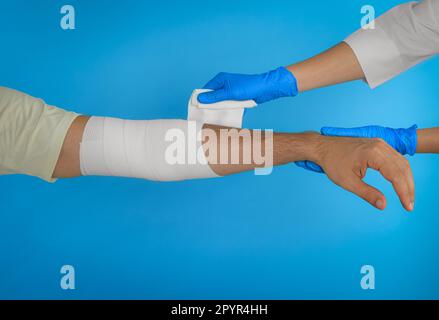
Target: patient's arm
(345, 160)
(68, 165)
(286, 148)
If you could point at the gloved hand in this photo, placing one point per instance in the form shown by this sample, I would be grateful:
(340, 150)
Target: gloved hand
(402, 140)
(259, 87)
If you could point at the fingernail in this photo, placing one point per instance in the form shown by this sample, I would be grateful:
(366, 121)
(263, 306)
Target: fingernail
(411, 206)
(379, 204)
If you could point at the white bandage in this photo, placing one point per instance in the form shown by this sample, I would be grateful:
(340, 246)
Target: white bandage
(227, 113)
(161, 150)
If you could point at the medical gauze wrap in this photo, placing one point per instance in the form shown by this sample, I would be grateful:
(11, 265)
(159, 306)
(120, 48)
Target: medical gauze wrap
(227, 113)
(32, 134)
(160, 150)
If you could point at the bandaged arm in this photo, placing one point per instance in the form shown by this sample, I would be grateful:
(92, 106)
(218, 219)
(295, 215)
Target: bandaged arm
(172, 150)
(48, 142)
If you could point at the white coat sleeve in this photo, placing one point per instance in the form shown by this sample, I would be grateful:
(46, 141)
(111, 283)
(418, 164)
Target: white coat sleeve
(403, 37)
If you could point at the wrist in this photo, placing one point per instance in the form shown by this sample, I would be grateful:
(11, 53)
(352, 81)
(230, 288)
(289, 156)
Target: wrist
(285, 82)
(302, 82)
(312, 146)
(318, 148)
(407, 140)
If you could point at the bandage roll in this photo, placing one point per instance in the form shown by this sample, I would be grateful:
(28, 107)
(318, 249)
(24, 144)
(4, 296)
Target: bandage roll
(227, 113)
(161, 150)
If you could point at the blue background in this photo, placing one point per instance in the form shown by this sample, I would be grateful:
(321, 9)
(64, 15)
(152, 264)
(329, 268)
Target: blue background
(292, 234)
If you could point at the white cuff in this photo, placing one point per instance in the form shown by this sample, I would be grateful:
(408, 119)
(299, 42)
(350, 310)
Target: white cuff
(403, 37)
(377, 54)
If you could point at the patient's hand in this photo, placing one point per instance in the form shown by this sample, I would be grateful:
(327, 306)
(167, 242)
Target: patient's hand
(346, 160)
(402, 140)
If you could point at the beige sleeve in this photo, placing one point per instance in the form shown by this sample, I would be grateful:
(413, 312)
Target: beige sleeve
(31, 134)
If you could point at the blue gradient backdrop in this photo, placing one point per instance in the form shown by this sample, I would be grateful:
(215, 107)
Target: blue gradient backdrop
(292, 234)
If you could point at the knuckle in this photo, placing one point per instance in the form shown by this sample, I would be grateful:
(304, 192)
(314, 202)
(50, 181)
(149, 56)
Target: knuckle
(358, 165)
(405, 165)
(369, 195)
(378, 140)
(342, 181)
(378, 144)
(375, 146)
(398, 179)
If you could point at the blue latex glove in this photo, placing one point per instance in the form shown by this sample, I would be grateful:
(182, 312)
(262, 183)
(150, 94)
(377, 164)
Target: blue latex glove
(402, 140)
(259, 87)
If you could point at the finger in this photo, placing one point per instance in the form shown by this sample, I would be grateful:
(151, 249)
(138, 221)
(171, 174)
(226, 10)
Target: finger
(402, 190)
(345, 132)
(401, 177)
(412, 189)
(404, 167)
(213, 96)
(216, 82)
(370, 194)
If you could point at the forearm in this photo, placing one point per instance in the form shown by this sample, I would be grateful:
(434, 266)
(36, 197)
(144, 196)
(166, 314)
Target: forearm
(428, 140)
(336, 65)
(257, 149)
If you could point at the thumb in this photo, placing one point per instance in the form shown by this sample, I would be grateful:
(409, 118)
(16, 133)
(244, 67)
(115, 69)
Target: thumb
(309, 165)
(366, 192)
(213, 96)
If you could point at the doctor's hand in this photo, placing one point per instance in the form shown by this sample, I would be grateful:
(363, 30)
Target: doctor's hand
(346, 160)
(259, 87)
(402, 140)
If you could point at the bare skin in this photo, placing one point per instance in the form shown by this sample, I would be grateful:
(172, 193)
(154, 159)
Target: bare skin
(335, 65)
(68, 165)
(428, 140)
(345, 160)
